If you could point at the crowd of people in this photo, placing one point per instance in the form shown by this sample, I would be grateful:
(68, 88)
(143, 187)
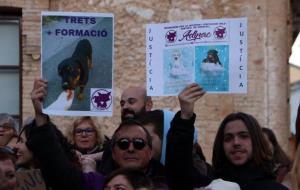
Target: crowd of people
(149, 150)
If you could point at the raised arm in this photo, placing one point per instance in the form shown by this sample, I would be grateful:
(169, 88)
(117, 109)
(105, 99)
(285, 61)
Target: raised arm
(181, 173)
(187, 99)
(47, 147)
(38, 93)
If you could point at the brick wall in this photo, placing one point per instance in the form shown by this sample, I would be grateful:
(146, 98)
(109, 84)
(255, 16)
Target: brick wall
(267, 56)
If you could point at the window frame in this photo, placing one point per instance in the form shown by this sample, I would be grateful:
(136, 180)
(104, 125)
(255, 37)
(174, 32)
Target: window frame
(12, 14)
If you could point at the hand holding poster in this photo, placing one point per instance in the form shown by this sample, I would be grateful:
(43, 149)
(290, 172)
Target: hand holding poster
(212, 53)
(77, 62)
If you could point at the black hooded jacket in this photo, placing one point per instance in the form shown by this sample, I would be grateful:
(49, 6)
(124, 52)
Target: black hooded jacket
(181, 173)
(250, 177)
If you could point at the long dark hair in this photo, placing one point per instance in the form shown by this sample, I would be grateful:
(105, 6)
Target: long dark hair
(67, 147)
(26, 130)
(261, 153)
(279, 156)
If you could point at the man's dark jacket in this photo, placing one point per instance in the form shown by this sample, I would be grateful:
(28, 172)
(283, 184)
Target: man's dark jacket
(181, 173)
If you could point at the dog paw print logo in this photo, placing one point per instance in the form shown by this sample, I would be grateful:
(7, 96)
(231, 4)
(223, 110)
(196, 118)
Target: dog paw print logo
(220, 32)
(171, 36)
(101, 99)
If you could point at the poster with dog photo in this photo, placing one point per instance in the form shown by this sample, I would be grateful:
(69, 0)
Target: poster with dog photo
(178, 65)
(77, 62)
(212, 53)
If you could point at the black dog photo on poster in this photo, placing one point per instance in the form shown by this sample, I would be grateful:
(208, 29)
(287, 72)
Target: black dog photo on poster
(74, 70)
(77, 62)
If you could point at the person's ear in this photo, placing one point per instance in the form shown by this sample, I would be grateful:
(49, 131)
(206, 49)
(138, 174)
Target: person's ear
(150, 153)
(149, 104)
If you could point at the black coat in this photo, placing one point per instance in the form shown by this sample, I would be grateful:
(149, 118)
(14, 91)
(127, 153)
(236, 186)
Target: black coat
(250, 177)
(155, 170)
(43, 142)
(181, 173)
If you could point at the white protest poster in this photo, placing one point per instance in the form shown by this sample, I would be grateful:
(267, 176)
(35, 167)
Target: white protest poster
(212, 53)
(77, 62)
(295, 56)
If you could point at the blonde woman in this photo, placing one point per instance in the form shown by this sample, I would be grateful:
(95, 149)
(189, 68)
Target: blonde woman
(86, 136)
(88, 140)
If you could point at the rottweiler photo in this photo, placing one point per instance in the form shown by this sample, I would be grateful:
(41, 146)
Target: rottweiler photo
(74, 71)
(212, 57)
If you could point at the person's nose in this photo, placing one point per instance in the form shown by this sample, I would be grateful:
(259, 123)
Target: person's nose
(16, 146)
(126, 105)
(131, 147)
(236, 140)
(84, 134)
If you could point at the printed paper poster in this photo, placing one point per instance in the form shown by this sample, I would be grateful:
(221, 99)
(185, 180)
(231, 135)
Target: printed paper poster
(295, 56)
(212, 53)
(77, 61)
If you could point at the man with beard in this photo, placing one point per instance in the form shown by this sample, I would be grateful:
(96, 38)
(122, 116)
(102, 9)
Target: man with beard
(135, 102)
(131, 146)
(241, 154)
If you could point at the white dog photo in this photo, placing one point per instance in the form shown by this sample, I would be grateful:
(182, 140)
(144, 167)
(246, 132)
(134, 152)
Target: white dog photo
(176, 66)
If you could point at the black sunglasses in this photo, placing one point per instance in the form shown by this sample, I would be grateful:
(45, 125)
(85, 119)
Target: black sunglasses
(124, 143)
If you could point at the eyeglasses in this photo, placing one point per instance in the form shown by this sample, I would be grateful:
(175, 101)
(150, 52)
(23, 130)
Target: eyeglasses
(124, 143)
(5, 127)
(87, 131)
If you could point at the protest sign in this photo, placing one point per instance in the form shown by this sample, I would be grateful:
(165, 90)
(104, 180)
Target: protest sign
(77, 62)
(30, 180)
(212, 53)
(295, 56)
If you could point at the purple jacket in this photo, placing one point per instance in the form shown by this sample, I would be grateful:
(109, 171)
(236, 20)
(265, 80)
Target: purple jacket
(94, 181)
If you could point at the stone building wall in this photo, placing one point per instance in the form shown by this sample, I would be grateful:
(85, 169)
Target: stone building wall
(267, 97)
